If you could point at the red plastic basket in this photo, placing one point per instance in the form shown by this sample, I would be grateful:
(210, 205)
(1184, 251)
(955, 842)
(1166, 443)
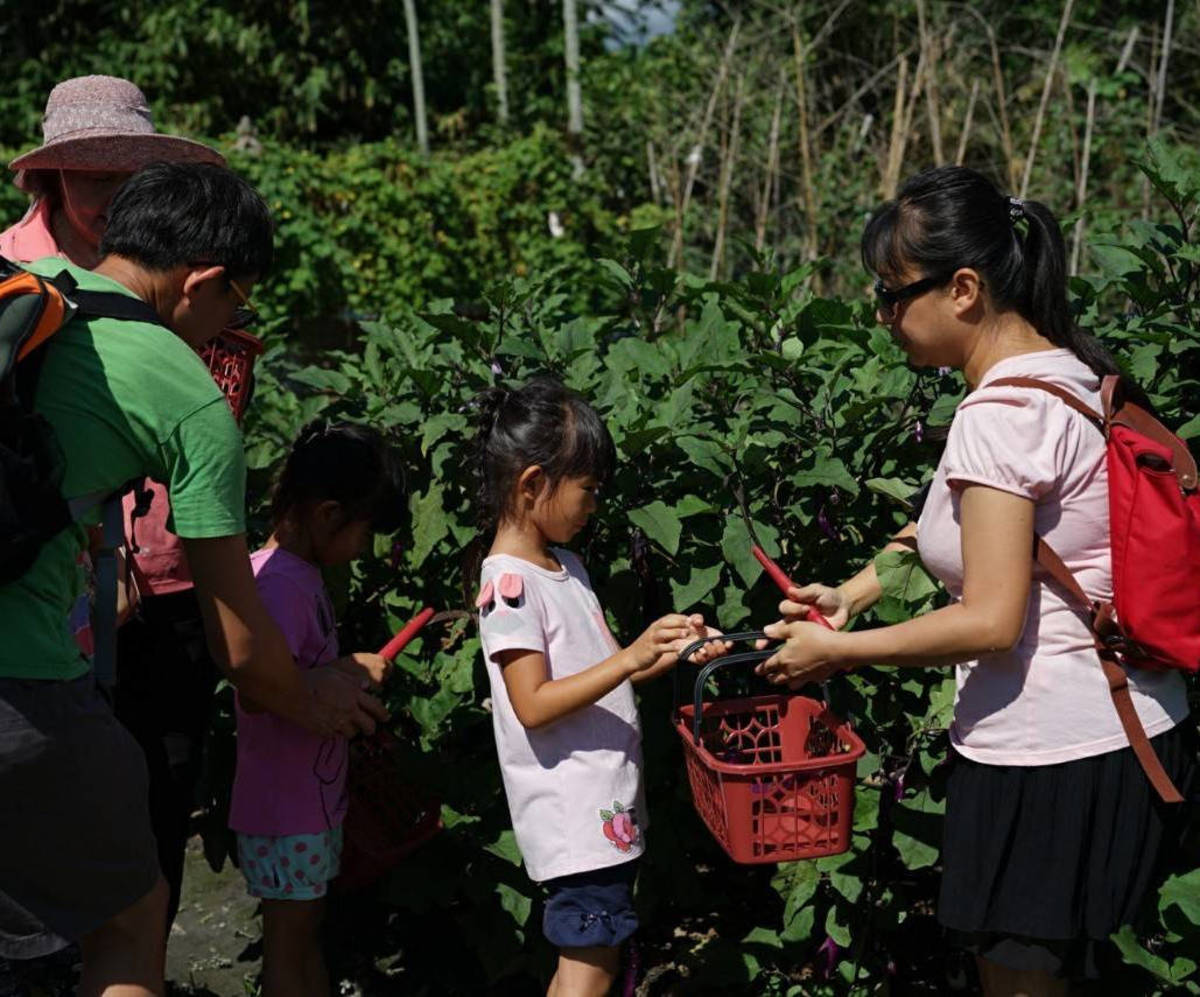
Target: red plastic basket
(387, 817)
(772, 776)
(230, 358)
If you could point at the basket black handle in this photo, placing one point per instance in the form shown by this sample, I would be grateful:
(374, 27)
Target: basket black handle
(712, 666)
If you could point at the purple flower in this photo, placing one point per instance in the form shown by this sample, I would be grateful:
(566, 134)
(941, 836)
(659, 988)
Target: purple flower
(943, 371)
(919, 431)
(833, 496)
(829, 950)
(496, 368)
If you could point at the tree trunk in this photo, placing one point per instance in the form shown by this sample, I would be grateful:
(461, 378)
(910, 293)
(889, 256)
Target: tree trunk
(499, 67)
(418, 81)
(571, 45)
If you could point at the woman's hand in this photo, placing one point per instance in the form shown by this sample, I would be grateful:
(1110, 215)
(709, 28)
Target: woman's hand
(832, 603)
(809, 654)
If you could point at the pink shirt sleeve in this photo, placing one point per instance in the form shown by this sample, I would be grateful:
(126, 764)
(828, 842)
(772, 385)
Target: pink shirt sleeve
(511, 617)
(1006, 438)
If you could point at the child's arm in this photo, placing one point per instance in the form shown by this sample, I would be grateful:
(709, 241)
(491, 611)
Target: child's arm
(364, 665)
(539, 700)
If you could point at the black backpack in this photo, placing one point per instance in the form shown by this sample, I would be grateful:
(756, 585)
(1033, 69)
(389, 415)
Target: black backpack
(33, 508)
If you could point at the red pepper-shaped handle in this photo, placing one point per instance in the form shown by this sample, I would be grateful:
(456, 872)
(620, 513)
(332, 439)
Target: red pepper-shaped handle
(783, 583)
(411, 629)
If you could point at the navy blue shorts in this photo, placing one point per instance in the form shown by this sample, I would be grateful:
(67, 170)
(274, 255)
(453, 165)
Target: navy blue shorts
(591, 908)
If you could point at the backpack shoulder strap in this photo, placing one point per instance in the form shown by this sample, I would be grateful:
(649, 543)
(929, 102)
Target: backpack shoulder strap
(113, 304)
(1061, 393)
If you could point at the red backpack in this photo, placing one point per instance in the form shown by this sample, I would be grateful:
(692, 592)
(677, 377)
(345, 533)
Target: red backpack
(1153, 621)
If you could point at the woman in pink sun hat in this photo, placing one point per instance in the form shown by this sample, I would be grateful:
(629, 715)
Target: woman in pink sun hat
(97, 130)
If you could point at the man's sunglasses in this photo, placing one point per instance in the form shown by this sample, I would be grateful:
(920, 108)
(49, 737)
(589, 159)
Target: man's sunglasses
(245, 313)
(886, 301)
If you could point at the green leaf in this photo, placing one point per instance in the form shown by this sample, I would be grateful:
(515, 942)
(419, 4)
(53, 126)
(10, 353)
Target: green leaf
(1132, 951)
(515, 903)
(836, 930)
(903, 577)
(429, 520)
(827, 471)
(505, 847)
(660, 524)
(1190, 429)
(699, 584)
(1182, 892)
(893, 488)
(438, 426)
(918, 829)
(323, 380)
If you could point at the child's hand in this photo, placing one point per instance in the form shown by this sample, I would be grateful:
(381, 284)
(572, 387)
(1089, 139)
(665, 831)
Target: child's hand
(370, 668)
(663, 639)
(712, 650)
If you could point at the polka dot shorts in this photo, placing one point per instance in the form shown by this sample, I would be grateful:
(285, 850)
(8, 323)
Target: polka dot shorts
(290, 867)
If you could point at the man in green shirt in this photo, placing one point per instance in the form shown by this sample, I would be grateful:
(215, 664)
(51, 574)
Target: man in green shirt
(129, 399)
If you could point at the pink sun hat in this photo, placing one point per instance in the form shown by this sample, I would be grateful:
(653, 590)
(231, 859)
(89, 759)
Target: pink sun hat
(103, 123)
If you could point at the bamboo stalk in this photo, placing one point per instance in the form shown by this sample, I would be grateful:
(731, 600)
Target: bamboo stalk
(1081, 190)
(806, 177)
(932, 97)
(697, 151)
(571, 51)
(1051, 70)
(652, 169)
(726, 180)
(1168, 22)
(966, 128)
(1127, 51)
(499, 67)
(418, 78)
(891, 172)
(764, 205)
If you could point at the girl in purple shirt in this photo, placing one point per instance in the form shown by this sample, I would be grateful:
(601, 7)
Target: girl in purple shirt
(289, 796)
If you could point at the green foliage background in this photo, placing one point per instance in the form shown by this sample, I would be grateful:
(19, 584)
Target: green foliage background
(406, 283)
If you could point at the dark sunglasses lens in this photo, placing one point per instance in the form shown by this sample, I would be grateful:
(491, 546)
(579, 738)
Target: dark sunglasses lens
(241, 318)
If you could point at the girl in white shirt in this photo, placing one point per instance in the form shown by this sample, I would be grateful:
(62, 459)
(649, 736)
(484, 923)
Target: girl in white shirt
(563, 707)
(1052, 829)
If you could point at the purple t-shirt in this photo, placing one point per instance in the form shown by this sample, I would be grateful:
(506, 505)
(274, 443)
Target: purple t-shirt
(288, 780)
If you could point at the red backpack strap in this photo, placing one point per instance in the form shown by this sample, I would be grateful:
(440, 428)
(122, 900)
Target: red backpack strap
(1107, 637)
(1098, 616)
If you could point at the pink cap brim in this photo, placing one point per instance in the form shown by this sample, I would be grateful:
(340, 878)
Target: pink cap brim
(118, 153)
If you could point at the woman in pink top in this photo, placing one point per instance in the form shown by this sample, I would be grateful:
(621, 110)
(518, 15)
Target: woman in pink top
(1052, 831)
(98, 131)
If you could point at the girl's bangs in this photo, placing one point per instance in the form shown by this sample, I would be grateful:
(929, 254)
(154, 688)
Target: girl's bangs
(882, 252)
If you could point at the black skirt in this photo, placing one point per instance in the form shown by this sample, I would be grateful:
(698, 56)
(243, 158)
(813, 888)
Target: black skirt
(1042, 863)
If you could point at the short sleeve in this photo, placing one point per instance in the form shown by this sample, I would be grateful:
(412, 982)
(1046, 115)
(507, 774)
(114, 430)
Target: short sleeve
(1007, 439)
(511, 616)
(286, 603)
(206, 473)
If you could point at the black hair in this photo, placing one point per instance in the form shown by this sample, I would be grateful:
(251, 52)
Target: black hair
(949, 217)
(543, 423)
(178, 214)
(347, 463)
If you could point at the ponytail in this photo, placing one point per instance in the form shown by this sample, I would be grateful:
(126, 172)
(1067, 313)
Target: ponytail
(1045, 293)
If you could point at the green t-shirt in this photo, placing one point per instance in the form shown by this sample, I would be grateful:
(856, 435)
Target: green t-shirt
(127, 400)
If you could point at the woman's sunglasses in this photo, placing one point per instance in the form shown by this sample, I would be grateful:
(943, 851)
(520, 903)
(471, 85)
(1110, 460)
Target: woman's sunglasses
(887, 301)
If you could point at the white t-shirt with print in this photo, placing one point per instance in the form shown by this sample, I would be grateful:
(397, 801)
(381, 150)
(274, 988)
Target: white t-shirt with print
(1047, 700)
(574, 786)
